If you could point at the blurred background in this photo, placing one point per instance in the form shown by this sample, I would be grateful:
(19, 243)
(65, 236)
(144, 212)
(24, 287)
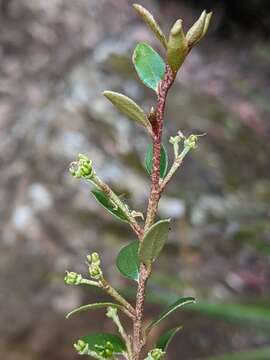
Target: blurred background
(57, 57)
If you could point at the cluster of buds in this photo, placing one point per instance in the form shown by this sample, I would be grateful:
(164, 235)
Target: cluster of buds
(198, 29)
(82, 168)
(175, 140)
(72, 278)
(81, 347)
(111, 312)
(95, 271)
(179, 44)
(106, 351)
(191, 141)
(155, 354)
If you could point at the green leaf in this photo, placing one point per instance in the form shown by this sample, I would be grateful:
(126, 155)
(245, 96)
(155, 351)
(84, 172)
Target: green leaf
(151, 23)
(108, 204)
(163, 160)
(92, 307)
(101, 339)
(179, 303)
(153, 241)
(128, 107)
(244, 315)
(165, 339)
(149, 65)
(127, 261)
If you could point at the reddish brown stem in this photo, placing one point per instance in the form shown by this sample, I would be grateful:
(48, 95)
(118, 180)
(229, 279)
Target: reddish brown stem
(157, 124)
(138, 338)
(163, 89)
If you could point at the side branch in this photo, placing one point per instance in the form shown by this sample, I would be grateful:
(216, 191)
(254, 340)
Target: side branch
(113, 293)
(109, 192)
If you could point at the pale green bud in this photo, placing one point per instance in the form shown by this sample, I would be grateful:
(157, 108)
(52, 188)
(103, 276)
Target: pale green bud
(82, 168)
(198, 29)
(81, 347)
(95, 258)
(155, 354)
(106, 351)
(206, 24)
(111, 312)
(95, 272)
(191, 142)
(73, 278)
(177, 47)
(174, 140)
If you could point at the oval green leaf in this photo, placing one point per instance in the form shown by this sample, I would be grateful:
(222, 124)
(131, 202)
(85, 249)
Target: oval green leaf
(163, 160)
(109, 205)
(101, 339)
(154, 241)
(92, 307)
(175, 306)
(128, 107)
(151, 23)
(127, 261)
(149, 65)
(166, 338)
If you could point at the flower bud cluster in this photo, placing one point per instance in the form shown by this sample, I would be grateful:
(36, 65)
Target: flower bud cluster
(81, 347)
(198, 29)
(179, 44)
(82, 168)
(155, 354)
(72, 278)
(191, 142)
(111, 312)
(106, 351)
(94, 266)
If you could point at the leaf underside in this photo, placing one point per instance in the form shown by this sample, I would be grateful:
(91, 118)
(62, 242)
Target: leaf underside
(105, 201)
(166, 338)
(149, 65)
(128, 107)
(178, 304)
(154, 241)
(127, 261)
(91, 307)
(151, 23)
(163, 160)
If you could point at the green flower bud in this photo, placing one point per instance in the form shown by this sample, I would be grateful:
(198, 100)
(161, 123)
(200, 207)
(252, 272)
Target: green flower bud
(191, 142)
(111, 312)
(106, 350)
(81, 347)
(82, 168)
(155, 354)
(95, 258)
(177, 46)
(95, 272)
(73, 278)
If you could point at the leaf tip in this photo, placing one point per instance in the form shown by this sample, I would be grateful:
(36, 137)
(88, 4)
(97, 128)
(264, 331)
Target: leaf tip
(106, 93)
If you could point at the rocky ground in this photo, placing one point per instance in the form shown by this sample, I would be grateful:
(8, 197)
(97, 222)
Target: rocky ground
(56, 59)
